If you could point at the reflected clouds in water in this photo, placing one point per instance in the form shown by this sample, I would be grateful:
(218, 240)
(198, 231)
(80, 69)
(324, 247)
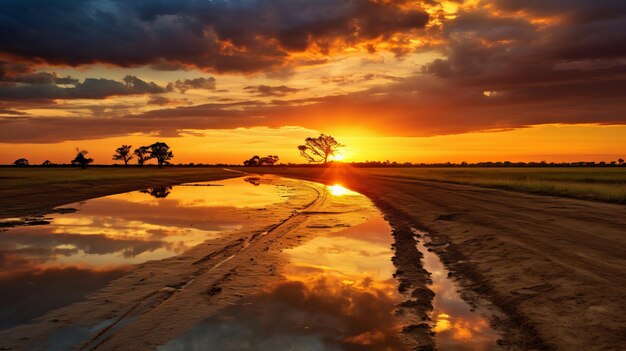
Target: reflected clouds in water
(338, 294)
(52, 263)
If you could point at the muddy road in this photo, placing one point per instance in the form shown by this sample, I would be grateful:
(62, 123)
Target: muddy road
(555, 266)
(300, 265)
(248, 263)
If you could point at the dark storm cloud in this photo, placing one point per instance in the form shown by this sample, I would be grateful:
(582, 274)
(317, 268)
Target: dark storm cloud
(45, 88)
(159, 100)
(267, 91)
(9, 112)
(528, 62)
(196, 83)
(348, 79)
(18, 72)
(219, 35)
(40, 78)
(568, 68)
(577, 9)
(416, 106)
(585, 29)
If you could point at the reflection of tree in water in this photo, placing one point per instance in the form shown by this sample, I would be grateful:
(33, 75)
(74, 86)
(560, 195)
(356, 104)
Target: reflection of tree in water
(159, 192)
(253, 180)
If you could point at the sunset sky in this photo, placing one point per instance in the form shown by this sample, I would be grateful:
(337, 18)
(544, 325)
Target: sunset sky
(220, 81)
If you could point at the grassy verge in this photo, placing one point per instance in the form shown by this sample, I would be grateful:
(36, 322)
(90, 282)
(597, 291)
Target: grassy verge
(600, 184)
(16, 177)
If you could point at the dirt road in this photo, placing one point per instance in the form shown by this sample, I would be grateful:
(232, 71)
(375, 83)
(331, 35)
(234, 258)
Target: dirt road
(556, 266)
(159, 301)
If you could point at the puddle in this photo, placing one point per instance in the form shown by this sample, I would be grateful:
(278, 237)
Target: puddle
(334, 290)
(337, 294)
(457, 327)
(48, 262)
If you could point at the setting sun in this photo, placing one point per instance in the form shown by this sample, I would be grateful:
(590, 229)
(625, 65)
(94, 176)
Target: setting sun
(337, 157)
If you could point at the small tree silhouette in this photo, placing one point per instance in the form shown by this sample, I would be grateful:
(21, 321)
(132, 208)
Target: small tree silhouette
(620, 161)
(319, 149)
(269, 160)
(20, 162)
(254, 161)
(46, 163)
(123, 153)
(143, 154)
(161, 152)
(81, 158)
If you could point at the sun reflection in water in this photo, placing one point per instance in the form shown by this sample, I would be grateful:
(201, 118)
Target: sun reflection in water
(338, 190)
(456, 326)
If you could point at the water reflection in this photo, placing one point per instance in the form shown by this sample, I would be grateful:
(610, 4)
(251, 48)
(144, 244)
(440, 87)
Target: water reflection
(25, 295)
(338, 294)
(338, 190)
(256, 181)
(74, 253)
(456, 326)
(160, 192)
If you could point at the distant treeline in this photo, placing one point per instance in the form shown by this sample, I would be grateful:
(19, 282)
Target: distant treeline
(618, 163)
(318, 151)
(372, 164)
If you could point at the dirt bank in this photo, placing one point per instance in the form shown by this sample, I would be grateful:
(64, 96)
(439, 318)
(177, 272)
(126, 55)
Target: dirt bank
(555, 266)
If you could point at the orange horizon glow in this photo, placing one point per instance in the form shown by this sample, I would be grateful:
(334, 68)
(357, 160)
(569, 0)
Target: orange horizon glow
(550, 143)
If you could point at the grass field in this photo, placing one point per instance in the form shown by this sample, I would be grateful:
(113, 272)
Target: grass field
(15, 177)
(600, 184)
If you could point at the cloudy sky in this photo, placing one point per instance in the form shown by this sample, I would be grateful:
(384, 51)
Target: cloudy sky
(421, 81)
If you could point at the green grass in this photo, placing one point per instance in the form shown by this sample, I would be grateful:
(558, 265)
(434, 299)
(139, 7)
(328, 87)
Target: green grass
(16, 177)
(600, 184)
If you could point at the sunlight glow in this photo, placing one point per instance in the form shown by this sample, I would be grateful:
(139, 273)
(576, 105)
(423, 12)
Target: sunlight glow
(337, 157)
(338, 190)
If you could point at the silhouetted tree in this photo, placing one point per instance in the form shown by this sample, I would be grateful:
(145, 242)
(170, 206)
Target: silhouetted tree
(254, 161)
(143, 154)
(269, 160)
(20, 162)
(46, 163)
(81, 158)
(123, 153)
(161, 152)
(319, 149)
(620, 161)
(160, 192)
